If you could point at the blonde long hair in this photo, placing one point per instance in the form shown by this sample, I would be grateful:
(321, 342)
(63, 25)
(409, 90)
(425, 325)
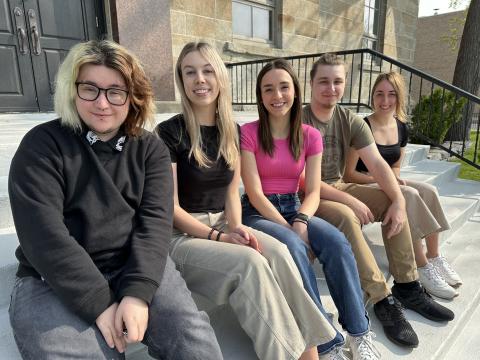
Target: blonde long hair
(229, 142)
(398, 84)
(114, 56)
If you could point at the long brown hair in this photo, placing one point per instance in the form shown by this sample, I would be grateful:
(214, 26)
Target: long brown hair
(398, 84)
(295, 133)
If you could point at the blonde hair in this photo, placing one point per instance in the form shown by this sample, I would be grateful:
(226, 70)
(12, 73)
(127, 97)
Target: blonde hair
(398, 84)
(229, 142)
(114, 56)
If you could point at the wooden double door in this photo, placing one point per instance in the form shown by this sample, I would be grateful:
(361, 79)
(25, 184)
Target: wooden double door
(35, 36)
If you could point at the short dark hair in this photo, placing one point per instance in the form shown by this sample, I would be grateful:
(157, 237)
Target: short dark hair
(326, 59)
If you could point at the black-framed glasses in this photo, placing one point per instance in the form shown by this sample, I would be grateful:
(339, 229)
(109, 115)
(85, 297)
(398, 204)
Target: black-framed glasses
(90, 92)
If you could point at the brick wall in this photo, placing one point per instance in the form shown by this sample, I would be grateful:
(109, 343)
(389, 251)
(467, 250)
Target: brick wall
(432, 53)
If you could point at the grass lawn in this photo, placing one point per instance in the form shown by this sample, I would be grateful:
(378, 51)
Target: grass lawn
(466, 171)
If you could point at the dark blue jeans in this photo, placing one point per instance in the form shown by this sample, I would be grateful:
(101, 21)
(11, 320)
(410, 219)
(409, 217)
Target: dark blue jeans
(333, 251)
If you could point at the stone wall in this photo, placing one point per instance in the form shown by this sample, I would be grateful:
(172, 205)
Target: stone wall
(303, 27)
(144, 27)
(400, 29)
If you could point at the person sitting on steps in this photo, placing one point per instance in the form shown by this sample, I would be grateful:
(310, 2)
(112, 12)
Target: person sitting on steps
(348, 206)
(219, 257)
(276, 150)
(91, 201)
(424, 211)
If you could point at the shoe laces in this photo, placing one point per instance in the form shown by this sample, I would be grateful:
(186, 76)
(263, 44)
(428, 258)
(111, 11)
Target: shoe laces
(365, 348)
(442, 265)
(433, 275)
(395, 309)
(423, 297)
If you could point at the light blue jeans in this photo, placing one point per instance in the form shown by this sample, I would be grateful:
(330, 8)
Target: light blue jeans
(44, 328)
(333, 251)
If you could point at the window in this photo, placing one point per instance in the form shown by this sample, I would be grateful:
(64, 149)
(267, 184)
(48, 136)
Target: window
(373, 23)
(253, 19)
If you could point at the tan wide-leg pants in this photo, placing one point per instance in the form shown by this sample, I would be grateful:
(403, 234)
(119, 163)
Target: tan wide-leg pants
(398, 248)
(424, 212)
(265, 292)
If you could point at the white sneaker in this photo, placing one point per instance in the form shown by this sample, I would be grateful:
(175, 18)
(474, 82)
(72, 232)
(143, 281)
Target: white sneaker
(335, 354)
(362, 347)
(434, 283)
(444, 269)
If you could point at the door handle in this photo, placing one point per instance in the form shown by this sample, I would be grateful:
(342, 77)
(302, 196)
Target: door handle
(21, 32)
(32, 21)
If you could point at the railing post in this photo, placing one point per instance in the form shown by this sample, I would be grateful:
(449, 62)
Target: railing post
(360, 83)
(351, 77)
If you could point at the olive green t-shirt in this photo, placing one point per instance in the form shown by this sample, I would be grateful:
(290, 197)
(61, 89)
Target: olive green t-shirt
(344, 130)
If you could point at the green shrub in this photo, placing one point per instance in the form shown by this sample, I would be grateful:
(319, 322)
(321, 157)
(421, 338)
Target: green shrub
(427, 118)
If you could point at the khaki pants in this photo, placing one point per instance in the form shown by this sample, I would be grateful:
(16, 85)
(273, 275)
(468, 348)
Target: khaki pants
(424, 212)
(265, 292)
(398, 248)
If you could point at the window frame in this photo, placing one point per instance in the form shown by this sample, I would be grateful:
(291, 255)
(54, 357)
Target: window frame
(369, 35)
(269, 5)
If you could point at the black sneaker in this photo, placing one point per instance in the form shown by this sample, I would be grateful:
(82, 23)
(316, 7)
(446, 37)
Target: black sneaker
(396, 327)
(417, 299)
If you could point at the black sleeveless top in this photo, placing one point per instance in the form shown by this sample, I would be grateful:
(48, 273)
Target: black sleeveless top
(391, 153)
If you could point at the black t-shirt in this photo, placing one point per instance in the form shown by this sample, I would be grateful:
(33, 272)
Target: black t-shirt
(200, 189)
(391, 153)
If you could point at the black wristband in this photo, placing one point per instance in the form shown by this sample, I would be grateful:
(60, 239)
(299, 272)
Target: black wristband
(300, 221)
(303, 217)
(220, 232)
(209, 237)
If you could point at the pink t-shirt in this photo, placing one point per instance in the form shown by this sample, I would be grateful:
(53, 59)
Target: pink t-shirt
(280, 174)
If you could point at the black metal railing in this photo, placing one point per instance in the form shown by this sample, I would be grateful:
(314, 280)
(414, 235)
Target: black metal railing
(432, 104)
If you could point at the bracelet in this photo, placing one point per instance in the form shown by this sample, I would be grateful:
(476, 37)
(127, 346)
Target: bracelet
(220, 232)
(209, 237)
(300, 221)
(302, 216)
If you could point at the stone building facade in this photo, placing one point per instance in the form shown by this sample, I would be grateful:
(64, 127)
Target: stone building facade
(254, 29)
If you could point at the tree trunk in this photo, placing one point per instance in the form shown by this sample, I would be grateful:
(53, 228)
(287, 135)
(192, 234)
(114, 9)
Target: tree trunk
(467, 70)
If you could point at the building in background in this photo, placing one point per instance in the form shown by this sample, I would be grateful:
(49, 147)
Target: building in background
(433, 53)
(157, 30)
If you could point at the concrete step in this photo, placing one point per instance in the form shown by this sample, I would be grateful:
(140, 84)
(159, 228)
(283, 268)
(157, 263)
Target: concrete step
(435, 172)
(458, 211)
(436, 339)
(460, 200)
(415, 153)
(7, 343)
(8, 263)
(6, 219)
